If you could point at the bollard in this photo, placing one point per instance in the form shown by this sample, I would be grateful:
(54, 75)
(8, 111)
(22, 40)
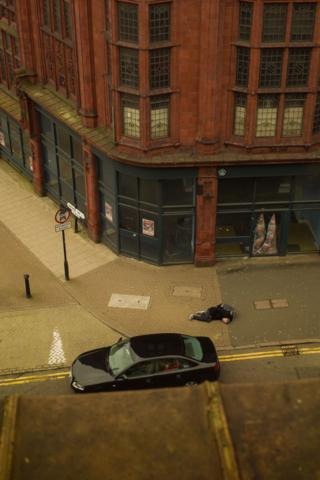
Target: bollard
(27, 285)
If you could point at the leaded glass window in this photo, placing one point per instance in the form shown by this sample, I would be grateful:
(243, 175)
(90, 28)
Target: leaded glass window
(159, 120)
(129, 67)
(128, 22)
(56, 16)
(131, 116)
(293, 114)
(243, 61)
(298, 67)
(245, 20)
(303, 21)
(274, 22)
(270, 67)
(267, 113)
(160, 68)
(46, 13)
(240, 110)
(316, 119)
(159, 22)
(67, 19)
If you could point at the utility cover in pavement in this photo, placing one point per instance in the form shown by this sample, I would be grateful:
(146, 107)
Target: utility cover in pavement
(187, 292)
(118, 300)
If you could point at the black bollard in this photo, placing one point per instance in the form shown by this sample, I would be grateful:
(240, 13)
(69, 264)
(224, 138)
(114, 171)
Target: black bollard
(27, 285)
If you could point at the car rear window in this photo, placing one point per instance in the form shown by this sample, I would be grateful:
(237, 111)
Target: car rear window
(193, 347)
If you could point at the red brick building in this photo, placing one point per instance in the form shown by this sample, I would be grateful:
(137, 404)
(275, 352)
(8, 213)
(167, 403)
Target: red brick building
(183, 130)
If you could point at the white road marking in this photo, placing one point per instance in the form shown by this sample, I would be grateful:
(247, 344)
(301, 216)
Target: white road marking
(56, 355)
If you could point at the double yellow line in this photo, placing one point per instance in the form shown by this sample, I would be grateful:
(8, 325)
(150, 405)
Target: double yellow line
(33, 378)
(234, 357)
(268, 354)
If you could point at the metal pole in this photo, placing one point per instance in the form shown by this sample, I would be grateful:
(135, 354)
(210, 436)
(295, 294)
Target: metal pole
(66, 266)
(27, 285)
(76, 230)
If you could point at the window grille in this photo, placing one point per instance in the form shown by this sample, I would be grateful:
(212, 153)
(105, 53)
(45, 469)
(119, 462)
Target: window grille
(270, 67)
(240, 114)
(160, 68)
(293, 114)
(303, 21)
(245, 20)
(130, 116)
(274, 22)
(159, 22)
(316, 119)
(267, 113)
(243, 61)
(159, 117)
(298, 67)
(129, 67)
(128, 22)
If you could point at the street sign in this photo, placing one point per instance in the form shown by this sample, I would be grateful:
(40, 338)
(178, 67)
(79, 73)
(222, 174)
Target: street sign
(62, 215)
(75, 211)
(62, 226)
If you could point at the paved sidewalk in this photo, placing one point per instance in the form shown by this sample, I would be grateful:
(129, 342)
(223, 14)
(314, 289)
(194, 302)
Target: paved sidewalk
(63, 318)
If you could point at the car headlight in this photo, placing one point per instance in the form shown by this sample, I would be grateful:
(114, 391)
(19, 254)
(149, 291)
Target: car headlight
(77, 386)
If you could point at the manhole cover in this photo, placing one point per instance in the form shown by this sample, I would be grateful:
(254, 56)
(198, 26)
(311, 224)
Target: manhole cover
(289, 350)
(182, 291)
(262, 304)
(118, 300)
(279, 303)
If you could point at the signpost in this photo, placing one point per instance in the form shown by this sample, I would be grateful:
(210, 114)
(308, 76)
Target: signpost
(77, 213)
(62, 216)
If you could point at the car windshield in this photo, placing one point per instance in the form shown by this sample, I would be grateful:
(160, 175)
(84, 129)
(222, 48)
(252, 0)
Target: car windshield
(121, 356)
(193, 347)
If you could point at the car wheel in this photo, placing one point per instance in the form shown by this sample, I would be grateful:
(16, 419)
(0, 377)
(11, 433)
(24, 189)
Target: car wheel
(190, 384)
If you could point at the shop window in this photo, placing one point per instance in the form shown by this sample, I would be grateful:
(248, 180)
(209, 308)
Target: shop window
(293, 115)
(240, 114)
(128, 22)
(159, 112)
(306, 187)
(177, 238)
(235, 190)
(298, 67)
(243, 61)
(274, 22)
(245, 20)
(129, 67)
(177, 192)
(303, 22)
(316, 118)
(127, 186)
(131, 116)
(159, 22)
(160, 68)
(272, 189)
(149, 191)
(304, 231)
(267, 113)
(63, 140)
(270, 67)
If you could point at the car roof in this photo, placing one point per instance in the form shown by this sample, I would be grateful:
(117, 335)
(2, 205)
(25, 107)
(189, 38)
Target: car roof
(158, 344)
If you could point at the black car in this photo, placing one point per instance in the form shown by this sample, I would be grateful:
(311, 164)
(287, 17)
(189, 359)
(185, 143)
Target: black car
(146, 361)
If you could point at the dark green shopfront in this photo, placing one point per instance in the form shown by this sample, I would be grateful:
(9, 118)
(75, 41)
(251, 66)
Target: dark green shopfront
(161, 215)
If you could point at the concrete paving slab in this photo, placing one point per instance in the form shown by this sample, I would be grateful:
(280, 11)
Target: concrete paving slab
(279, 303)
(119, 300)
(262, 304)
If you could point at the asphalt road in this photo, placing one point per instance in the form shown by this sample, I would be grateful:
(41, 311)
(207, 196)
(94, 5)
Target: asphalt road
(254, 366)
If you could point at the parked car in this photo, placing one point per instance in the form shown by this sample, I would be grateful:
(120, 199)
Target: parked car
(146, 361)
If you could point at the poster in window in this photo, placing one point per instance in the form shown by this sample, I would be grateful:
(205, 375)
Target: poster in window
(109, 213)
(2, 139)
(148, 227)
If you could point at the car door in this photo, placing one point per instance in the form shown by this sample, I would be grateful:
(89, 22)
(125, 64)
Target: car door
(168, 372)
(138, 376)
(188, 373)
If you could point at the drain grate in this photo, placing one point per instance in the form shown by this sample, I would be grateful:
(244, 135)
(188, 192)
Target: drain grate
(289, 350)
